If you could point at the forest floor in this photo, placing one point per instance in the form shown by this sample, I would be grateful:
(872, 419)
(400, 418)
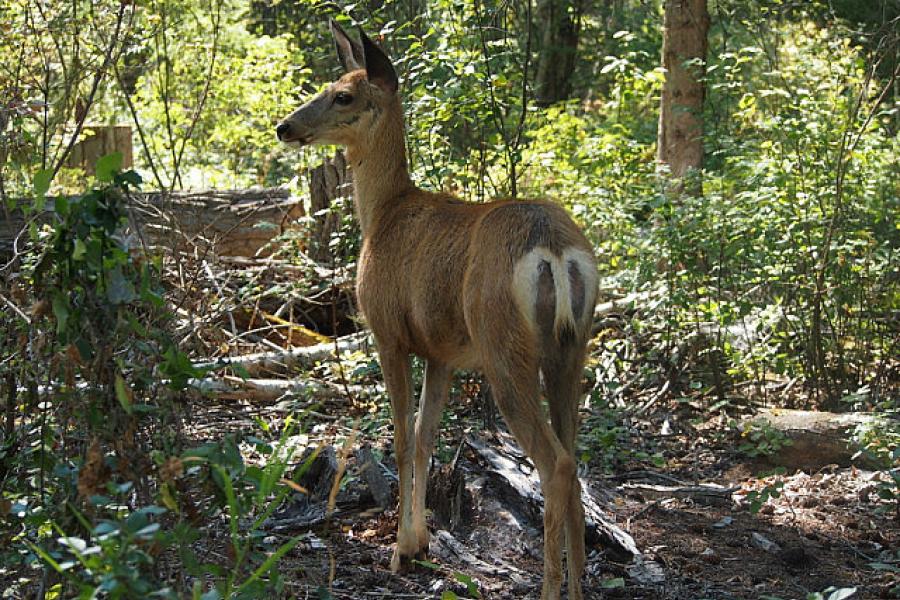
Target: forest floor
(826, 529)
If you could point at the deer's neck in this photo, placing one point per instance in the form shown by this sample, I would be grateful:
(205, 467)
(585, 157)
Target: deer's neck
(380, 172)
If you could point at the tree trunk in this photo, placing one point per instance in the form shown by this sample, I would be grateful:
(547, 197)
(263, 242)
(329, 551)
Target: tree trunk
(561, 21)
(680, 141)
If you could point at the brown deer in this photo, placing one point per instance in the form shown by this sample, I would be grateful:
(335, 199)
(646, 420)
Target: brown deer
(506, 287)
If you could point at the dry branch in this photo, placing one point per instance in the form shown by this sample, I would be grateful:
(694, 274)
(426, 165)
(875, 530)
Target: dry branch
(619, 304)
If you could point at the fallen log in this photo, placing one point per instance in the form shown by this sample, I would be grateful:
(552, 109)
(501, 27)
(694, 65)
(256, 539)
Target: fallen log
(620, 304)
(262, 390)
(706, 494)
(521, 477)
(303, 357)
(223, 222)
(809, 440)
(447, 548)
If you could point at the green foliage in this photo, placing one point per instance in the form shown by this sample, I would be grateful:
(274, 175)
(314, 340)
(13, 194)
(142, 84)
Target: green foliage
(99, 489)
(470, 584)
(762, 439)
(116, 551)
(757, 498)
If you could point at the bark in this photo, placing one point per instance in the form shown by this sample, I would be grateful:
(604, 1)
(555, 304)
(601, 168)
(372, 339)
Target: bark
(680, 137)
(561, 21)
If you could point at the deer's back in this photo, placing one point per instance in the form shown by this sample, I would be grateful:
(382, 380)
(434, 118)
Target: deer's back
(430, 254)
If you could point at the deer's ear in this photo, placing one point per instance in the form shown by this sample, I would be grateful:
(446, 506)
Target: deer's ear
(349, 52)
(379, 69)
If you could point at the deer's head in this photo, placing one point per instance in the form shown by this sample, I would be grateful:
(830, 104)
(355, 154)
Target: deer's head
(349, 109)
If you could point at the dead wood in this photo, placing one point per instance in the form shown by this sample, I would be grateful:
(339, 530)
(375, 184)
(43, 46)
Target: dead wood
(262, 390)
(709, 495)
(328, 182)
(520, 476)
(447, 548)
(294, 358)
(373, 472)
(621, 304)
(446, 494)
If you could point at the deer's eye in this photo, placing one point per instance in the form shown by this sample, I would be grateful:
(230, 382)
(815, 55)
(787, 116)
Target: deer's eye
(343, 98)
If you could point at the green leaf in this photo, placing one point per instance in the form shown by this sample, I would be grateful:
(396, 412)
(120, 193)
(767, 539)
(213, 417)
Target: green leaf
(123, 393)
(840, 594)
(61, 205)
(449, 595)
(108, 165)
(324, 594)
(127, 178)
(471, 585)
(41, 183)
(614, 583)
(61, 312)
(119, 290)
(79, 251)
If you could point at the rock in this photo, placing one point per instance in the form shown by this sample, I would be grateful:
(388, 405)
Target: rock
(764, 543)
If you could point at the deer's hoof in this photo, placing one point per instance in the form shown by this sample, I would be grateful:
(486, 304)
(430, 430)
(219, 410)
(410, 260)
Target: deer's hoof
(403, 562)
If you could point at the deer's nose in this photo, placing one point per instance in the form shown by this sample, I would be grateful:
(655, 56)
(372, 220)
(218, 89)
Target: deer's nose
(282, 130)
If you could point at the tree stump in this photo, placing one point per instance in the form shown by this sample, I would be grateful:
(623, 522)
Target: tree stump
(328, 182)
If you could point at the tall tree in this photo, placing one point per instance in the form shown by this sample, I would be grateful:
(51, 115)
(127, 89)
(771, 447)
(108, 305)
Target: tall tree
(680, 137)
(559, 22)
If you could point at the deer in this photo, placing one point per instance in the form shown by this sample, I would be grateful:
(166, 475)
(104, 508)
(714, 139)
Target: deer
(506, 287)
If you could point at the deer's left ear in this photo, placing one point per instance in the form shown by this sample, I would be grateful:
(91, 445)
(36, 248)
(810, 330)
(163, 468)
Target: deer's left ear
(349, 52)
(379, 69)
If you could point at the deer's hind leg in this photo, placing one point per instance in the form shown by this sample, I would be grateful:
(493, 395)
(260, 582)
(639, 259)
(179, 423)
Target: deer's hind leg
(511, 366)
(562, 377)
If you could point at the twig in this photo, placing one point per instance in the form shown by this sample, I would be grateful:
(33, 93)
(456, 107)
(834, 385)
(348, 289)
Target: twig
(98, 77)
(15, 309)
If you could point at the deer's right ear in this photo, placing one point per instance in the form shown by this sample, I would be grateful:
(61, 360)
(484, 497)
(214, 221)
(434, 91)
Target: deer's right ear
(379, 69)
(349, 52)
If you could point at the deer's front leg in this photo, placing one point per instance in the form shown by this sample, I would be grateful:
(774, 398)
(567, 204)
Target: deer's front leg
(435, 387)
(398, 378)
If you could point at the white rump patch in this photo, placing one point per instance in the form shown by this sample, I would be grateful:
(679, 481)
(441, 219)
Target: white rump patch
(525, 280)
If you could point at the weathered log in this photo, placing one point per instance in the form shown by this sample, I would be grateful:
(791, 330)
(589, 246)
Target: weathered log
(447, 548)
(230, 223)
(519, 474)
(815, 439)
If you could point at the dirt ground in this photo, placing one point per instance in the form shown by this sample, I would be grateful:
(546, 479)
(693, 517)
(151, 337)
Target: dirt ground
(827, 528)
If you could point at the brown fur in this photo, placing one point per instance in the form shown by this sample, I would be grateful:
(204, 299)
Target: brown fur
(462, 286)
